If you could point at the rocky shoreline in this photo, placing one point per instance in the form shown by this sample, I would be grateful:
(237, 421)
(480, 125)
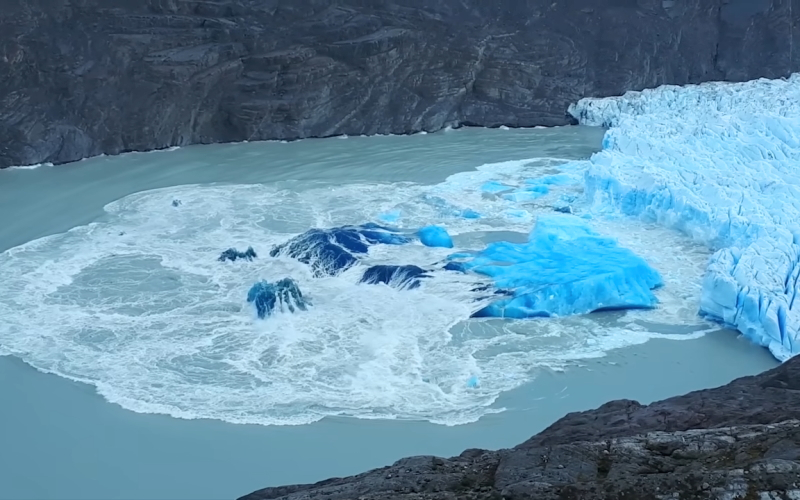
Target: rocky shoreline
(87, 77)
(738, 441)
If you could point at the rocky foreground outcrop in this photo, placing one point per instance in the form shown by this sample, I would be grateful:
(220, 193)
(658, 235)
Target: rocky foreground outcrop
(739, 441)
(84, 77)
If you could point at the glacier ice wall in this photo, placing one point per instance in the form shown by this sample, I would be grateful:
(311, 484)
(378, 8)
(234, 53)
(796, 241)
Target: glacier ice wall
(721, 163)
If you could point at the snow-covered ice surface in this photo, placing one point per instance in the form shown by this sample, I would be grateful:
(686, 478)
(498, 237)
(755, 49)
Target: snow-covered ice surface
(721, 163)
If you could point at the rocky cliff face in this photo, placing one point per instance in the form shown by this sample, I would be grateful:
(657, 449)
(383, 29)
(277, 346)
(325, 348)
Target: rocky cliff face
(740, 441)
(84, 77)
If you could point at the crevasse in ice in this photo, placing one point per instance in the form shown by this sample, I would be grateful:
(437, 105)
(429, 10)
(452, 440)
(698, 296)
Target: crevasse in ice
(721, 163)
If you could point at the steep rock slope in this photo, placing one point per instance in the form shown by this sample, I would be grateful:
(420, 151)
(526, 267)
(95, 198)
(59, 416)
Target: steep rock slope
(738, 441)
(84, 77)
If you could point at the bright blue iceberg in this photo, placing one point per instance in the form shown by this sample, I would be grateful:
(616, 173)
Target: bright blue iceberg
(565, 268)
(721, 163)
(329, 252)
(283, 295)
(402, 277)
(435, 236)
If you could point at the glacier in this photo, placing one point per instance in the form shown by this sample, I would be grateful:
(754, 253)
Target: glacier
(719, 162)
(565, 268)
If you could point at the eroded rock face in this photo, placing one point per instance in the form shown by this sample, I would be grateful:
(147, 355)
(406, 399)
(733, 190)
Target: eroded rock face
(84, 77)
(739, 441)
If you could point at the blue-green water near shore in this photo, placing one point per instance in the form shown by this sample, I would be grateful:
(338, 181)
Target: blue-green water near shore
(62, 439)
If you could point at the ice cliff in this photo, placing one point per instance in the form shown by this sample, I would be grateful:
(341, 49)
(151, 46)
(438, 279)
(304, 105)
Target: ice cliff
(721, 163)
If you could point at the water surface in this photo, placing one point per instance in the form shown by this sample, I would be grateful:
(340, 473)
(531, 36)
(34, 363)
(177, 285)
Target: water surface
(132, 301)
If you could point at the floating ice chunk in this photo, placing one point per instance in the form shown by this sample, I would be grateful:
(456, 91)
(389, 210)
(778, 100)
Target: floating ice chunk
(565, 268)
(495, 187)
(518, 215)
(233, 255)
(396, 276)
(449, 210)
(435, 236)
(329, 252)
(283, 295)
(468, 213)
(528, 193)
(719, 162)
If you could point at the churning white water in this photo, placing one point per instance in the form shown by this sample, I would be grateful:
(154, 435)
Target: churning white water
(136, 303)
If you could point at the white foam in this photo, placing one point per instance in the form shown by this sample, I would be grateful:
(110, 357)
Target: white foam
(137, 305)
(29, 167)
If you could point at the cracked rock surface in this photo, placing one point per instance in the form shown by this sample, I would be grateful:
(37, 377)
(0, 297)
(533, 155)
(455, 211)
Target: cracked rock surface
(84, 77)
(738, 441)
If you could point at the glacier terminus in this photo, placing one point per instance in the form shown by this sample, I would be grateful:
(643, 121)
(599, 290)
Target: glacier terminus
(721, 163)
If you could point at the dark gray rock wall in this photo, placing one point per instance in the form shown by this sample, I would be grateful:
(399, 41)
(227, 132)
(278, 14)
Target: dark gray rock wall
(84, 77)
(740, 441)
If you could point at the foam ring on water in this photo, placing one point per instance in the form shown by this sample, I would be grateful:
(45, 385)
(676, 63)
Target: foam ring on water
(137, 305)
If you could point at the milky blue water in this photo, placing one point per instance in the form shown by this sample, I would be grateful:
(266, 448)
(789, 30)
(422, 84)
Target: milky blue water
(109, 282)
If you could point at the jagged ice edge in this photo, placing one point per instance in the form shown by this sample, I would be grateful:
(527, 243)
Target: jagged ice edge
(721, 163)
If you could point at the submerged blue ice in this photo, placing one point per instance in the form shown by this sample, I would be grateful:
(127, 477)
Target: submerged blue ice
(721, 163)
(565, 268)
(329, 252)
(283, 295)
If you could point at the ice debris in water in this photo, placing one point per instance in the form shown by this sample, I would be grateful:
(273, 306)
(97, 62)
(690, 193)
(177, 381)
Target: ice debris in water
(233, 255)
(447, 209)
(719, 162)
(403, 277)
(529, 193)
(495, 187)
(329, 252)
(283, 295)
(565, 268)
(435, 236)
